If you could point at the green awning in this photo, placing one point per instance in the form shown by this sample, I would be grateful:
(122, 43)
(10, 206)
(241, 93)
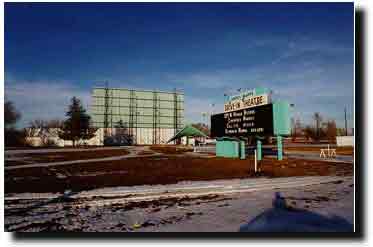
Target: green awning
(189, 131)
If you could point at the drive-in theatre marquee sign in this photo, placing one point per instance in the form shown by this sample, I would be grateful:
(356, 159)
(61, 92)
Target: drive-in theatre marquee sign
(246, 102)
(251, 115)
(250, 121)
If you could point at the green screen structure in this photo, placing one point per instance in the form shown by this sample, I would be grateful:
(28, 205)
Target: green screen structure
(137, 108)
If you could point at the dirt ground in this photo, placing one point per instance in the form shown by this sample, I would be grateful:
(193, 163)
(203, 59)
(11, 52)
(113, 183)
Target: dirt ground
(30, 158)
(159, 170)
(171, 149)
(202, 201)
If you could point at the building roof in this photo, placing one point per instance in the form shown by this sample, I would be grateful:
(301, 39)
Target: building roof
(189, 131)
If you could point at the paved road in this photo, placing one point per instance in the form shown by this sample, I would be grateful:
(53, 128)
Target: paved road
(209, 147)
(74, 162)
(309, 156)
(136, 150)
(133, 152)
(53, 150)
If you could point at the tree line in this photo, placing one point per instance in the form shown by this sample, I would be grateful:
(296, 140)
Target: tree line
(77, 126)
(319, 130)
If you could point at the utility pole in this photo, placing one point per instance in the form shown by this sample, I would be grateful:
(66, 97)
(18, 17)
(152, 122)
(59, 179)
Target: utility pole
(346, 121)
(106, 112)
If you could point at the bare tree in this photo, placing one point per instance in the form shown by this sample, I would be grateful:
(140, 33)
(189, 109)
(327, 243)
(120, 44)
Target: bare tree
(308, 132)
(331, 131)
(296, 128)
(43, 124)
(202, 127)
(293, 134)
(317, 117)
(45, 129)
(38, 124)
(55, 123)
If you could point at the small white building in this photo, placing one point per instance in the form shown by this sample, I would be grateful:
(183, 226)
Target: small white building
(44, 137)
(344, 141)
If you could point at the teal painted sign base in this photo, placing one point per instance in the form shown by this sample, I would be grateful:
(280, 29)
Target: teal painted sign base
(259, 149)
(279, 147)
(227, 147)
(242, 150)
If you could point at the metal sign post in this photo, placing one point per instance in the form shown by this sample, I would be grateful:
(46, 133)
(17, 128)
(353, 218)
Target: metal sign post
(256, 162)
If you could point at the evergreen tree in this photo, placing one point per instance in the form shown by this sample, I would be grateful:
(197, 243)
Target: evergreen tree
(12, 136)
(77, 125)
(11, 115)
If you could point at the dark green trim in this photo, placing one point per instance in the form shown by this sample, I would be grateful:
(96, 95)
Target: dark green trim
(113, 97)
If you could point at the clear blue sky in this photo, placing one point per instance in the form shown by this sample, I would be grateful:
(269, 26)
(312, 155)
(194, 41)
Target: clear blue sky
(304, 52)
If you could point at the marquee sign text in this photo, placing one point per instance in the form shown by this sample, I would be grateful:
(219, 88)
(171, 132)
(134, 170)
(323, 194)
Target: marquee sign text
(244, 122)
(246, 102)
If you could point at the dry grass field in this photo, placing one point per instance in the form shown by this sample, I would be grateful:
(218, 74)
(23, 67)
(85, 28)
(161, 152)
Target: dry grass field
(165, 169)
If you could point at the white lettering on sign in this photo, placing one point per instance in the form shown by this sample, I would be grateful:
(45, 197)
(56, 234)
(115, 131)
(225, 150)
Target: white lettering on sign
(248, 93)
(246, 102)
